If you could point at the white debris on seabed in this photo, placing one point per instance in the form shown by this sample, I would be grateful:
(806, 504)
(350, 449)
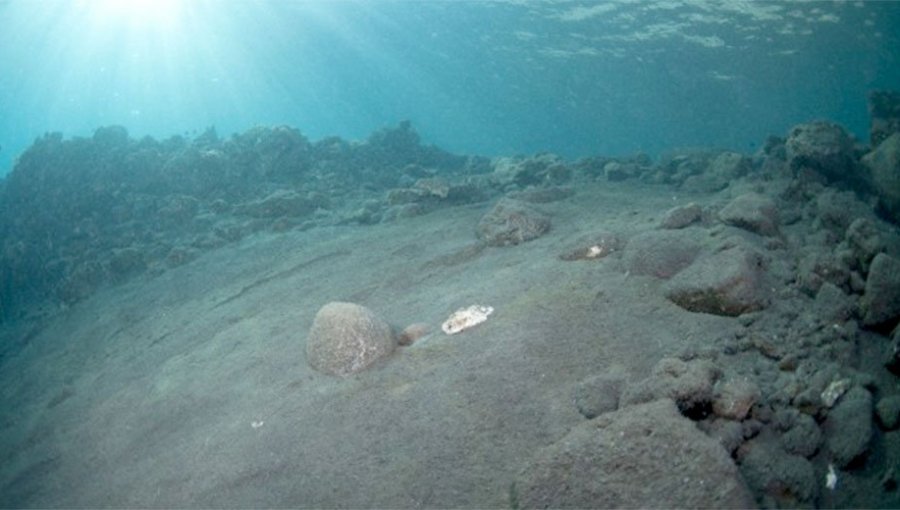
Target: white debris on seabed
(831, 478)
(835, 391)
(465, 318)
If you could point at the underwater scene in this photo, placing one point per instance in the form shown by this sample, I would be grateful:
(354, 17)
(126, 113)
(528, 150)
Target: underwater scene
(449, 254)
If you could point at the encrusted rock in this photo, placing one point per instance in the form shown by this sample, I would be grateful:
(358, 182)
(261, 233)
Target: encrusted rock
(281, 203)
(888, 412)
(596, 245)
(753, 212)
(881, 301)
(884, 112)
(883, 164)
(512, 222)
(346, 338)
(789, 479)
(848, 428)
(729, 282)
(681, 216)
(637, 457)
(823, 147)
(734, 398)
(598, 394)
(688, 383)
(663, 253)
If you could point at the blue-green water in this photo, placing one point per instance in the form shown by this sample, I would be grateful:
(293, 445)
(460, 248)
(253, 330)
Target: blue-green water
(574, 78)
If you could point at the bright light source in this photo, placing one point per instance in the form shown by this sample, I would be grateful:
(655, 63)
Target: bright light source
(154, 14)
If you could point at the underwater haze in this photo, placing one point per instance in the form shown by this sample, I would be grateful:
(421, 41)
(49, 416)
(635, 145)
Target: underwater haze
(502, 77)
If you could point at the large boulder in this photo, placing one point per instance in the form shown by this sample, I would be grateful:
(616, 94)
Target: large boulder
(728, 282)
(644, 456)
(881, 300)
(883, 165)
(689, 383)
(663, 253)
(823, 147)
(346, 338)
(849, 427)
(512, 222)
(752, 211)
(884, 111)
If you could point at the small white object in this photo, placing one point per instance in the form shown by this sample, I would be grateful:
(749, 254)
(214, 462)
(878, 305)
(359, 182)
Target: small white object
(465, 318)
(835, 391)
(257, 424)
(594, 252)
(831, 478)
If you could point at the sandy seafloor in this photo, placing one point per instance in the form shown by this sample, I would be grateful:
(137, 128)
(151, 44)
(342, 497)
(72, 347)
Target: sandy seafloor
(191, 388)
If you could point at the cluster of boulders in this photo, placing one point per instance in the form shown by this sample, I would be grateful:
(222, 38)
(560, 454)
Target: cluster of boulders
(799, 394)
(80, 213)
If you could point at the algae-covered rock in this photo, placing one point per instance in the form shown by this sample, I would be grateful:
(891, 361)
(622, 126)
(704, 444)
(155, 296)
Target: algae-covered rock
(753, 212)
(512, 222)
(881, 300)
(346, 338)
(644, 456)
(729, 282)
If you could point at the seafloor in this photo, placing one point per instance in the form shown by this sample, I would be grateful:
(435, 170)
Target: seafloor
(661, 336)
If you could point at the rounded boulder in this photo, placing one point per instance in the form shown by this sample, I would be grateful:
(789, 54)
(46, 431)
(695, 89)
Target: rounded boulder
(346, 338)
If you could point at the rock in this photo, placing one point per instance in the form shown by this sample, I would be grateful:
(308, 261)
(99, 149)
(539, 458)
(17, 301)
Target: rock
(883, 164)
(412, 333)
(753, 212)
(884, 113)
(595, 245)
(817, 267)
(280, 203)
(598, 394)
(729, 433)
(892, 356)
(637, 457)
(836, 210)
(689, 384)
(663, 253)
(681, 216)
(833, 305)
(729, 166)
(541, 169)
(789, 479)
(848, 428)
(734, 398)
(346, 338)
(800, 432)
(512, 222)
(888, 412)
(434, 187)
(822, 147)
(729, 282)
(865, 240)
(881, 300)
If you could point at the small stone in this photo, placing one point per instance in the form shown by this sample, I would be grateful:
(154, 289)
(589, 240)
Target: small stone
(413, 332)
